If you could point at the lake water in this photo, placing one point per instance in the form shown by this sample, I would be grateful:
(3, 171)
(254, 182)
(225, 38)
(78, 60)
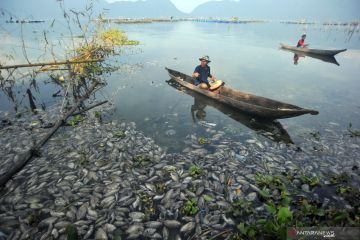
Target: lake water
(246, 56)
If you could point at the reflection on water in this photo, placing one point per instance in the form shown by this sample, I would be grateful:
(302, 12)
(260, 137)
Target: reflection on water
(272, 130)
(299, 55)
(245, 56)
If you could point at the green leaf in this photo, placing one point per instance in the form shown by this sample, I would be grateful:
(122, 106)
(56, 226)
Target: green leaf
(270, 208)
(285, 201)
(251, 233)
(341, 216)
(265, 193)
(269, 227)
(262, 221)
(320, 212)
(284, 214)
(242, 228)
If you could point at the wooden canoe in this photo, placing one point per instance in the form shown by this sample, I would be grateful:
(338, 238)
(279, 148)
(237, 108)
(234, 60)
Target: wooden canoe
(269, 128)
(244, 102)
(312, 50)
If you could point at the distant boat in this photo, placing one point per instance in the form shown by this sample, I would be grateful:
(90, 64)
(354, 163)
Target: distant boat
(323, 52)
(25, 21)
(244, 102)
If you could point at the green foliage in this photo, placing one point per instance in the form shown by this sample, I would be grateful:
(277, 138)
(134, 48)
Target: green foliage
(71, 232)
(315, 135)
(115, 37)
(141, 160)
(248, 231)
(203, 141)
(120, 134)
(284, 210)
(160, 187)
(76, 120)
(191, 207)
(284, 215)
(195, 171)
(311, 181)
(148, 204)
(241, 208)
(97, 114)
(353, 132)
(83, 160)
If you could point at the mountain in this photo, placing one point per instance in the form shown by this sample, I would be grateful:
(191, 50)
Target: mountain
(281, 9)
(140, 9)
(37, 9)
(321, 10)
(49, 9)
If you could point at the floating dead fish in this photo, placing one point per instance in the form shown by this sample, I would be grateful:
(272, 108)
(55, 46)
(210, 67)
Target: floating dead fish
(172, 223)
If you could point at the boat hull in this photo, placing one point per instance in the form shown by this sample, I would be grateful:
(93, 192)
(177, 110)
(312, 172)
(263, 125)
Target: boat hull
(245, 102)
(322, 52)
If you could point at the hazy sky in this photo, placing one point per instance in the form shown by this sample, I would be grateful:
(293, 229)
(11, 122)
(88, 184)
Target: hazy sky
(182, 5)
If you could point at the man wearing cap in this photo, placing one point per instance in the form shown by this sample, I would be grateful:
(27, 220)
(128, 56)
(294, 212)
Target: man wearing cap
(202, 73)
(301, 42)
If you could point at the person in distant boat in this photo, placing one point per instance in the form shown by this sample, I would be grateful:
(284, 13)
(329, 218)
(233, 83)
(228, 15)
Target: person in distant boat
(301, 42)
(202, 73)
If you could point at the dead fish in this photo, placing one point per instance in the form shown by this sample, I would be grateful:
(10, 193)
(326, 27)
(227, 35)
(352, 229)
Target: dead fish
(81, 212)
(137, 216)
(151, 187)
(172, 223)
(229, 221)
(92, 213)
(109, 228)
(135, 229)
(174, 176)
(100, 234)
(165, 233)
(187, 227)
(153, 224)
(149, 232)
(89, 232)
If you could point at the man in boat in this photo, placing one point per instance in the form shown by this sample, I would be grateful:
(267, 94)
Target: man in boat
(301, 42)
(202, 73)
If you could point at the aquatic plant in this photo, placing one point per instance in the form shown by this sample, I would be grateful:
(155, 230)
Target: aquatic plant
(141, 160)
(115, 37)
(83, 160)
(284, 210)
(315, 135)
(203, 141)
(148, 204)
(191, 207)
(71, 232)
(353, 132)
(311, 181)
(241, 207)
(160, 187)
(76, 120)
(195, 171)
(97, 114)
(120, 134)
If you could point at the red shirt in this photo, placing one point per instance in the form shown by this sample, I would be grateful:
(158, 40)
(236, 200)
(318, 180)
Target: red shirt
(301, 43)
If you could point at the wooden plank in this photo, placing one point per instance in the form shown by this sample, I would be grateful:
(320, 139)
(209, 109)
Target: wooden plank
(50, 63)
